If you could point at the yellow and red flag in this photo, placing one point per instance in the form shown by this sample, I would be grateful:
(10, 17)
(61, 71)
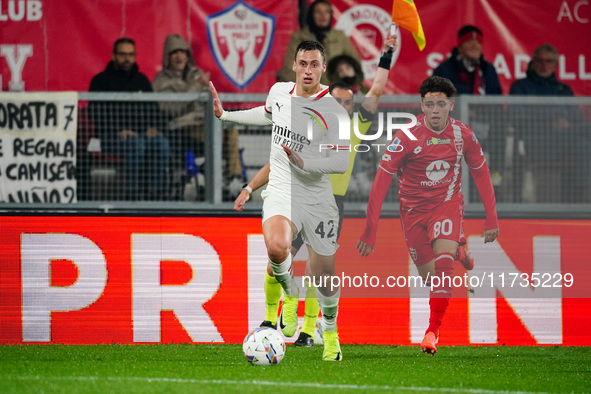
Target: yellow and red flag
(405, 15)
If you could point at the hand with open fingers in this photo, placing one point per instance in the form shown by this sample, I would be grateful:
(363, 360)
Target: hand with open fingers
(293, 157)
(218, 109)
(490, 235)
(242, 198)
(363, 248)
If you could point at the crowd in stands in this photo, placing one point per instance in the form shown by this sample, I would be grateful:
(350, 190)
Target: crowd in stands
(540, 155)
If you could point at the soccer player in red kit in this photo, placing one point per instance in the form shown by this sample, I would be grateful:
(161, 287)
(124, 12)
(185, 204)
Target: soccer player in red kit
(431, 200)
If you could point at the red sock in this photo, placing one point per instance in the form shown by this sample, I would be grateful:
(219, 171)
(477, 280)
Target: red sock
(440, 295)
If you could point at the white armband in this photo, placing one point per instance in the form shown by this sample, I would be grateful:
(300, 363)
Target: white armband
(247, 188)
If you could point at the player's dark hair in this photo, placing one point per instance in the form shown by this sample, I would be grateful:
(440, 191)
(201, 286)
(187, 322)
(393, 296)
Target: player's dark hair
(122, 40)
(340, 85)
(310, 46)
(437, 84)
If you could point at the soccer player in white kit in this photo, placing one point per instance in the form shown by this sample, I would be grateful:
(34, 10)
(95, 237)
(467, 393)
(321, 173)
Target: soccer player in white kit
(366, 111)
(307, 123)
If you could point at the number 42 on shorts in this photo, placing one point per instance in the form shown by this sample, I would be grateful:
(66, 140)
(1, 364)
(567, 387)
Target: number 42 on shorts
(325, 230)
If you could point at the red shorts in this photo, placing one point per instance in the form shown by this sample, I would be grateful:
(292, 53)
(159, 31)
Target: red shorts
(421, 229)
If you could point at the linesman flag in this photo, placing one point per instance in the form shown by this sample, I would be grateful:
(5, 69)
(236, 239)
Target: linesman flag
(405, 15)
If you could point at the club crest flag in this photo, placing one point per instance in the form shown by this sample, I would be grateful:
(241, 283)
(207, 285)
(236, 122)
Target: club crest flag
(405, 15)
(240, 38)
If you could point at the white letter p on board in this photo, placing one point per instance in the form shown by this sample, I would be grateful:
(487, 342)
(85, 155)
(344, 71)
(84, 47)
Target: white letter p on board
(39, 297)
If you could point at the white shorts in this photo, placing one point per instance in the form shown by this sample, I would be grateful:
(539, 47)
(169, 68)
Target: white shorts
(318, 223)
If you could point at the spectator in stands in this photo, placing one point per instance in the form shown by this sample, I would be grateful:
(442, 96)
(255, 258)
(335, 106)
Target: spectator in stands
(346, 70)
(552, 138)
(470, 73)
(335, 42)
(540, 79)
(466, 67)
(129, 129)
(186, 120)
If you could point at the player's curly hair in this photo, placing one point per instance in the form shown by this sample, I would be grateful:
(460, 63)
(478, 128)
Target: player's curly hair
(309, 46)
(437, 84)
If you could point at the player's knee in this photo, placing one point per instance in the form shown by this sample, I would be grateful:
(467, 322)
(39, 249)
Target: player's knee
(426, 271)
(278, 246)
(321, 267)
(331, 288)
(325, 271)
(278, 251)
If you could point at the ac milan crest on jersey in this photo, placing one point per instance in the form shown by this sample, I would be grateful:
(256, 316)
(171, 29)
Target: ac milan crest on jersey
(240, 38)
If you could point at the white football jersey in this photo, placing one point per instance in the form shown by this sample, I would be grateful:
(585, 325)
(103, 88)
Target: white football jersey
(310, 127)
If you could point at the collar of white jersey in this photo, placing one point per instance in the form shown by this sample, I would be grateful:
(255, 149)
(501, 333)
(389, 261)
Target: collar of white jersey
(315, 96)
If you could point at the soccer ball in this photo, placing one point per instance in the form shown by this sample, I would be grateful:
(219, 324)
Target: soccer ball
(318, 340)
(263, 346)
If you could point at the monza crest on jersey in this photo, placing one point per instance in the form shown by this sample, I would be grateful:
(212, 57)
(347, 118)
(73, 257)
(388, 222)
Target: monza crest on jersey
(459, 144)
(413, 253)
(240, 38)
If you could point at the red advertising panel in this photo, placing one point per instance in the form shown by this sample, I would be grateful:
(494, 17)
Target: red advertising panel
(89, 280)
(60, 45)
(511, 30)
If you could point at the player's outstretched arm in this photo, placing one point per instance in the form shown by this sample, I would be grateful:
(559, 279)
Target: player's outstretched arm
(476, 161)
(379, 189)
(259, 180)
(257, 116)
(486, 191)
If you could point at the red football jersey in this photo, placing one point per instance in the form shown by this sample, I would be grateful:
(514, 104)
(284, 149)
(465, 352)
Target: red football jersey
(429, 169)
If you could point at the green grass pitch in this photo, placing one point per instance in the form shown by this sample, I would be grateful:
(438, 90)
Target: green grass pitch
(222, 368)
